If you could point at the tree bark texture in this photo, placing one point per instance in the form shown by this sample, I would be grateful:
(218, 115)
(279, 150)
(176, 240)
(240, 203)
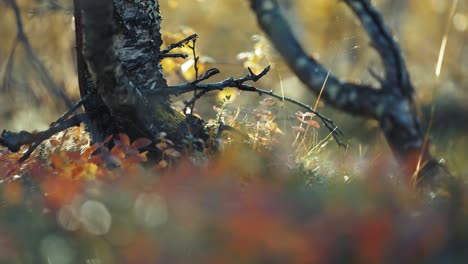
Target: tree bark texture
(118, 54)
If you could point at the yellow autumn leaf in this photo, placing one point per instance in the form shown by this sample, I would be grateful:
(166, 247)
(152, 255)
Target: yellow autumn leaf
(162, 164)
(169, 65)
(227, 95)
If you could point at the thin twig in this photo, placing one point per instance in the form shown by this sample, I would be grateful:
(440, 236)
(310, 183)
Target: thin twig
(172, 55)
(197, 95)
(195, 57)
(179, 44)
(71, 110)
(204, 88)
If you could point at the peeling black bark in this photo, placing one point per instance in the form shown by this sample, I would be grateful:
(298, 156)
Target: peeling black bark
(118, 46)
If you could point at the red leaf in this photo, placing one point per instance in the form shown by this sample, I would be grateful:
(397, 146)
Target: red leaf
(124, 139)
(95, 159)
(108, 138)
(74, 155)
(141, 143)
(117, 152)
(162, 164)
(57, 161)
(313, 123)
(54, 142)
(88, 151)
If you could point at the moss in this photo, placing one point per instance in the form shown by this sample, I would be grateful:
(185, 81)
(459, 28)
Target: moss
(167, 118)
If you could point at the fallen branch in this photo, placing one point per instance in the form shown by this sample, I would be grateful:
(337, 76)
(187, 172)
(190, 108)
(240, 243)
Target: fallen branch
(14, 141)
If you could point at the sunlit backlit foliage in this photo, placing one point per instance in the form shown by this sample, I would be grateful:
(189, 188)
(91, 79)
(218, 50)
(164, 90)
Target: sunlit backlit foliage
(113, 206)
(179, 67)
(278, 192)
(257, 59)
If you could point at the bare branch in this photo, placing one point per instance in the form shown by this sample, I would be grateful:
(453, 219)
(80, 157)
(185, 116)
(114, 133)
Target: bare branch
(35, 61)
(352, 98)
(180, 44)
(396, 74)
(7, 77)
(392, 106)
(173, 55)
(240, 84)
(74, 108)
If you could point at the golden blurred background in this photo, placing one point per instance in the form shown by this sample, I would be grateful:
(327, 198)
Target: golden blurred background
(227, 28)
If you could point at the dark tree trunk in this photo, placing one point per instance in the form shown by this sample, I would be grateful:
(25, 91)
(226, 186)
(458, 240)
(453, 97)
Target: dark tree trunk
(118, 51)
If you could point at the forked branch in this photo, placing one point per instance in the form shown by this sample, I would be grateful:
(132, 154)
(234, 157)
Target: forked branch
(392, 105)
(352, 98)
(396, 74)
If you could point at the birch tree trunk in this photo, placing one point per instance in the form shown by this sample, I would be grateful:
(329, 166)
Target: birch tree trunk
(118, 54)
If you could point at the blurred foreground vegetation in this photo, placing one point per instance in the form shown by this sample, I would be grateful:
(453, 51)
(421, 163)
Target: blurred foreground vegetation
(289, 197)
(240, 206)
